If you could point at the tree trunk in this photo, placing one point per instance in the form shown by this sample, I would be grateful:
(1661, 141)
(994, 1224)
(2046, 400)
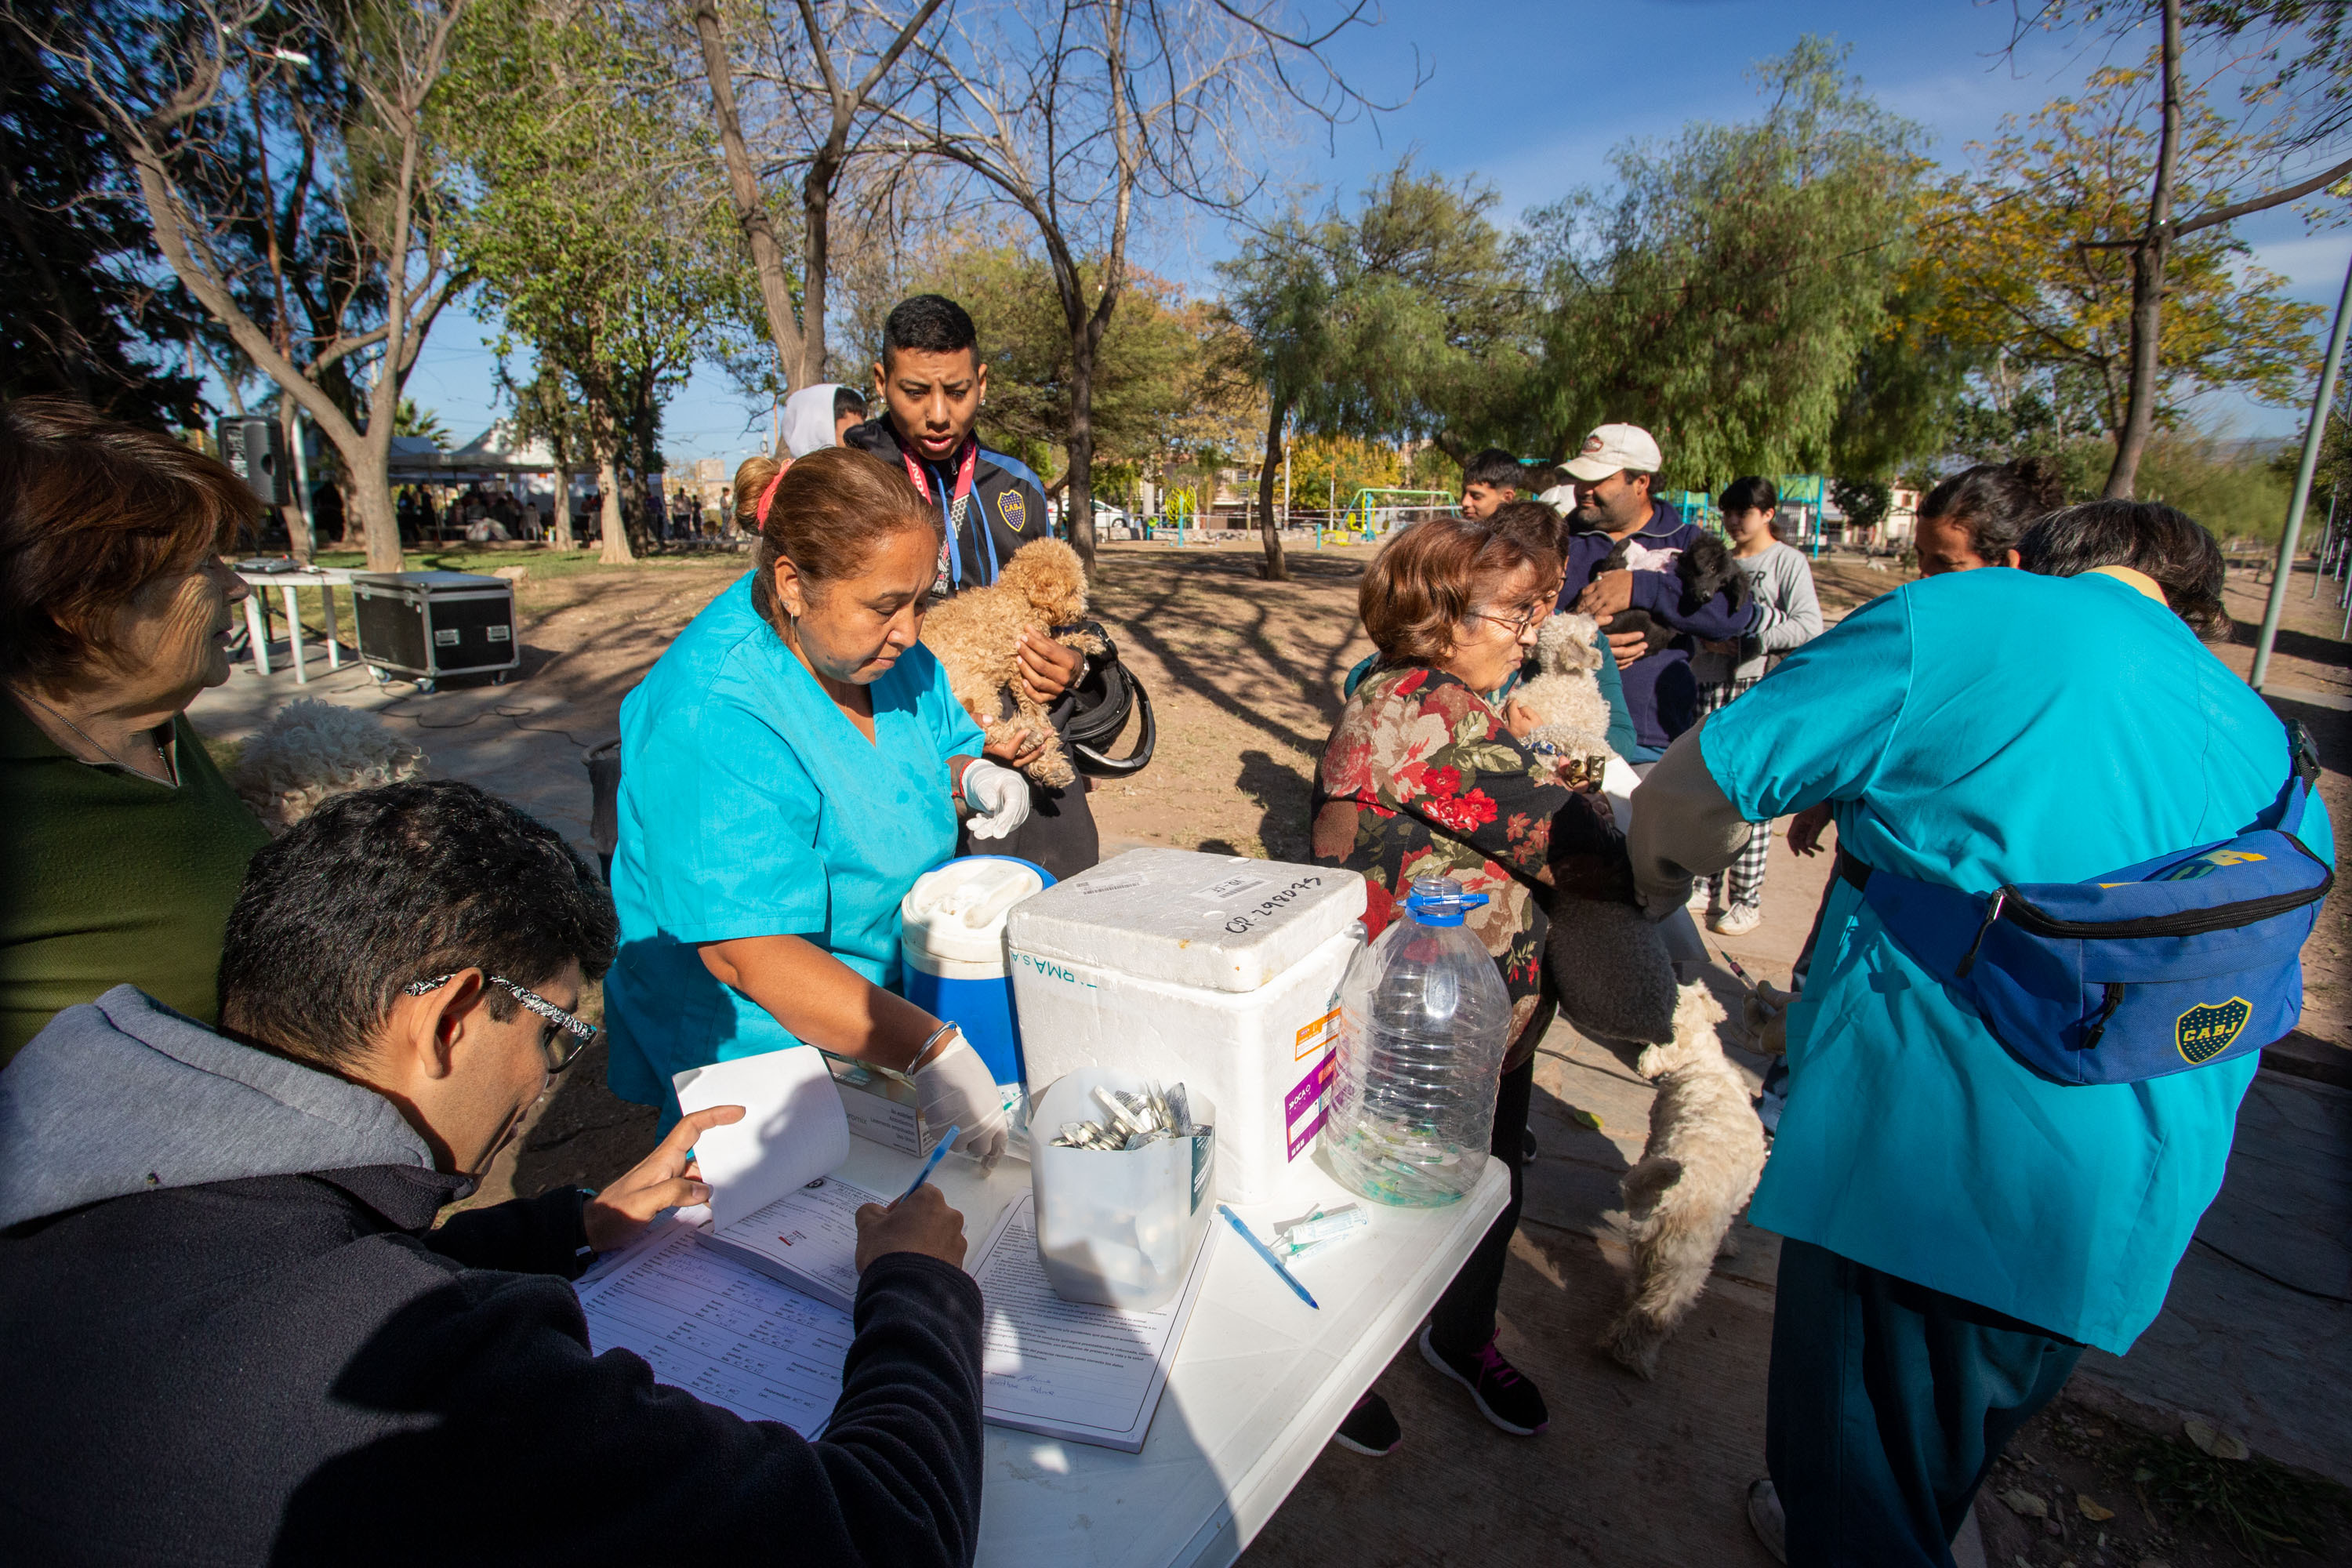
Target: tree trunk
(1080, 445)
(297, 520)
(2148, 258)
(563, 536)
(1276, 570)
(751, 212)
(816, 248)
(370, 497)
(616, 551)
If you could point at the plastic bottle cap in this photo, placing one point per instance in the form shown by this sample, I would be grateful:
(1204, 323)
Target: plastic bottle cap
(1439, 901)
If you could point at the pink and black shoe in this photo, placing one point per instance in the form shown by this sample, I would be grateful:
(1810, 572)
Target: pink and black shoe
(1502, 1395)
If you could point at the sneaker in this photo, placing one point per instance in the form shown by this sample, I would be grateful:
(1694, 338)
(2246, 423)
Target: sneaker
(1702, 897)
(1502, 1395)
(1765, 1518)
(1737, 920)
(1370, 1427)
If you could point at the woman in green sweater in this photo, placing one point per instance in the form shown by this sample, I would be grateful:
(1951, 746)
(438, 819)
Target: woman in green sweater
(121, 845)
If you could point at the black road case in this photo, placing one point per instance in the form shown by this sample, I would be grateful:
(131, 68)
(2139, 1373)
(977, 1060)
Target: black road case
(426, 625)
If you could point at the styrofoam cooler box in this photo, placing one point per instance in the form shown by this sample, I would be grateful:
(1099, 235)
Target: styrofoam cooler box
(1215, 970)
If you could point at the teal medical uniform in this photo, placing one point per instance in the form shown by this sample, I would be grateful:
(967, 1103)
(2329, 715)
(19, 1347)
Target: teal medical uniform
(1977, 729)
(751, 805)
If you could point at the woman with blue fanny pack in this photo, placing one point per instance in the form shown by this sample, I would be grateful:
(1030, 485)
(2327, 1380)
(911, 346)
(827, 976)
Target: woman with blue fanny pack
(2061, 824)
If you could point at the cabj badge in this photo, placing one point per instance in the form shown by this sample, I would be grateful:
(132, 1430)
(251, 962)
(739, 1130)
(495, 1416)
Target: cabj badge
(1012, 507)
(2206, 1030)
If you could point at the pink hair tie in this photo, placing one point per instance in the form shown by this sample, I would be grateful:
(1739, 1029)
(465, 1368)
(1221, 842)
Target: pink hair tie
(769, 495)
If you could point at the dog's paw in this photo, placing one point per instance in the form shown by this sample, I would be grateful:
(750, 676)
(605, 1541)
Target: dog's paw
(1633, 1343)
(1051, 767)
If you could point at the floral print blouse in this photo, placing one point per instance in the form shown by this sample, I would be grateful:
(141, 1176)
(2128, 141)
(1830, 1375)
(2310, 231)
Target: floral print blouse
(1421, 779)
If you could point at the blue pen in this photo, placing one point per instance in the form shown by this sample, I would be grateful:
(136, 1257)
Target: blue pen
(938, 1152)
(1263, 1250)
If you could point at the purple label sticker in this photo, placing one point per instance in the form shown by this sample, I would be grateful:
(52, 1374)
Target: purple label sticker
(1303, 1109)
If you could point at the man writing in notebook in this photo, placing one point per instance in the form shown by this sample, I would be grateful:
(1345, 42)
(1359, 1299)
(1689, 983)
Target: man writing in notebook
(227, 1312)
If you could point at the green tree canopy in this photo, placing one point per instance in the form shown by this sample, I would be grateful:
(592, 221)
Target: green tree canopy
(1405, 317)
(1156, 390)
(2023, 254)
(596, 227)
(1726, 293)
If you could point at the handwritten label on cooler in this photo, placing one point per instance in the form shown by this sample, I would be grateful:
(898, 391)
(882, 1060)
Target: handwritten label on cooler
(1304, 1107)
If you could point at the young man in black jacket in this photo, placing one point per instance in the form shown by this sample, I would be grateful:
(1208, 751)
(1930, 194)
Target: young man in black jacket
(229, 1332)
(932, 382)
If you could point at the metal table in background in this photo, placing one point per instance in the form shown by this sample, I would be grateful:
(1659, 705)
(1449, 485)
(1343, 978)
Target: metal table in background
(326, 579)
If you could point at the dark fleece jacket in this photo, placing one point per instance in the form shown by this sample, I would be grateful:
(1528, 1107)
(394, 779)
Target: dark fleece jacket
(1659, 690)
(1060, 834)
(228, 1334)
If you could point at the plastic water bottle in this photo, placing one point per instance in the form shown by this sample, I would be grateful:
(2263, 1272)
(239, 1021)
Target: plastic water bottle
(1424, 1021)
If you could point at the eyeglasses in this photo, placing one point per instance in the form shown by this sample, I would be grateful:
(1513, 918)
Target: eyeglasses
(559, 1053)
(1519, 623)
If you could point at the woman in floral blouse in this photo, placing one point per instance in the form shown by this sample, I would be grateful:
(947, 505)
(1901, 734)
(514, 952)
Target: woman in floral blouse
(1422, 778)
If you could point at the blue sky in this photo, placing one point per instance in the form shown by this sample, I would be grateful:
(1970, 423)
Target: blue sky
(1532, 96)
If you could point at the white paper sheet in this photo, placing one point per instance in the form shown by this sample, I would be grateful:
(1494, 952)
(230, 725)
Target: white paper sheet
(1091, 1374)
(807, 1238)
(718, 1329)
(793, 1130)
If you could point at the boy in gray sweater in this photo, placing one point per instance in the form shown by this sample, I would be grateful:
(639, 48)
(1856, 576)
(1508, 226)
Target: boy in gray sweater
(1782, 580)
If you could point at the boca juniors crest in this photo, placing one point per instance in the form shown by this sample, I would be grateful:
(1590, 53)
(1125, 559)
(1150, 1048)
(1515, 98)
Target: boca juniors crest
(2207, 1029)
(1012, 507)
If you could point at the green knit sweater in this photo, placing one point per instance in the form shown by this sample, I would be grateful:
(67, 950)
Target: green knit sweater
(107, 876)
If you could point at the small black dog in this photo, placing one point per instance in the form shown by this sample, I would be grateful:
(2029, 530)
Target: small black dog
(1706, 568)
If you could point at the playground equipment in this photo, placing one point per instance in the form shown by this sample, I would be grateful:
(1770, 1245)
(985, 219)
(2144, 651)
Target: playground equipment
(1806, 493)
(1377, 508)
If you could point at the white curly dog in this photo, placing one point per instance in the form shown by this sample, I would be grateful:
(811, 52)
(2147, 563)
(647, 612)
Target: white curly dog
(1705, 1151)
(311, 750)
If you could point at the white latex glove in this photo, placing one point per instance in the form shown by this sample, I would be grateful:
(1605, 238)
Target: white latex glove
(998, 796)
(957, 1090)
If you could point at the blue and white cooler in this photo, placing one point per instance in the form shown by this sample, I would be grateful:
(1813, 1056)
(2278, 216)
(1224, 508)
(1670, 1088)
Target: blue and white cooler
(952, 959)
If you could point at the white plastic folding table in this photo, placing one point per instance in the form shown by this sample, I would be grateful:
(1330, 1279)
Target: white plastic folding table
(1260, 1383)
(326, 579)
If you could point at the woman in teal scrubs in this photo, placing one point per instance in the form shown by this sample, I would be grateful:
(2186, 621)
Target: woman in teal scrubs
(1958, 1229)
(789, 767)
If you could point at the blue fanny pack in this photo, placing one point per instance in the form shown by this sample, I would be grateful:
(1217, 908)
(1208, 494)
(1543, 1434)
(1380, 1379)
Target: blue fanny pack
(2191, 958)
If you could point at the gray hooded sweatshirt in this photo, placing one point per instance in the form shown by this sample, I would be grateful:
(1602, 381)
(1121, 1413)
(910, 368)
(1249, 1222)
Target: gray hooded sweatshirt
(231, 1332)
(124, 1095)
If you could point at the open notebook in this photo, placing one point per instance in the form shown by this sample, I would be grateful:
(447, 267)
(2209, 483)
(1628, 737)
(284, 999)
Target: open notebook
(1066, 1369)
(749, 1309)
(774, 1203)
(723, 1332)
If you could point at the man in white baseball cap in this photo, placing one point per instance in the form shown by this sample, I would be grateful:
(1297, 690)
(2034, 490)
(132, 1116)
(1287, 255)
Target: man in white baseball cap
(1625, 449)
(1616, 476)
